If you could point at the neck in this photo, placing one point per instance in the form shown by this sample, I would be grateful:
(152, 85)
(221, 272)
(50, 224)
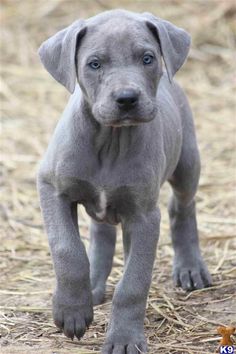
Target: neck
(111, 143)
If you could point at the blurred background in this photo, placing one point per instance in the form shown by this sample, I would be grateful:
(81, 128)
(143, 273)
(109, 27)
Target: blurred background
(31, 104)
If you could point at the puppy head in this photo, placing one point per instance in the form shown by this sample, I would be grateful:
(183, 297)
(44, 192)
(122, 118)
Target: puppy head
(226, 330)
(116, 58)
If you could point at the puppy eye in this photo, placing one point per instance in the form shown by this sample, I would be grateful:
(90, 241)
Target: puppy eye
(94, 64)
(147, 59)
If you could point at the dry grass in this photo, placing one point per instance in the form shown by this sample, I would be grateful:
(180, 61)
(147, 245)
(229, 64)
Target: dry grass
(31, 103)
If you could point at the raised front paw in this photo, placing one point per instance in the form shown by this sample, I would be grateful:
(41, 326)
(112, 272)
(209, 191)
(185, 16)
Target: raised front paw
(72, 314)
(127, 343)
(191, 274)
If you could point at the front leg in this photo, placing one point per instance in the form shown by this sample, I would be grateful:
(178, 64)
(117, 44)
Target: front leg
(101, 252)
(189, 270)
(125, 331)
(72, 300)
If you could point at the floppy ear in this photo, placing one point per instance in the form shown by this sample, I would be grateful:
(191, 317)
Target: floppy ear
(174, 42)
(58, 54)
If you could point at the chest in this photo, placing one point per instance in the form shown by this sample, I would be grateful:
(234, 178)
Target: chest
(109, 204)
(112, 177)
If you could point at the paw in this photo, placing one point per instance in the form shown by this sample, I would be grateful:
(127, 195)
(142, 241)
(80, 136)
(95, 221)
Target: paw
(126, 344)
(192, 274)
(72, 315)
(138, 348)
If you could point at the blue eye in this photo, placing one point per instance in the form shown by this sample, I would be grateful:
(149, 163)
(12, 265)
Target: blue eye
(95, 64)
(147, 59)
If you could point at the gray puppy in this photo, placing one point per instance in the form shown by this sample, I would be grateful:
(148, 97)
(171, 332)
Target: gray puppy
(126, 129)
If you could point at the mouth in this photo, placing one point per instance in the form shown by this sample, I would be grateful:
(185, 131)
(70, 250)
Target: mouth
(126, 119)
(126, 122)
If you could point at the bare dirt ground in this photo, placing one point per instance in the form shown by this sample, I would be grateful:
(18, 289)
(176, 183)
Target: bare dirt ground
(31, 103)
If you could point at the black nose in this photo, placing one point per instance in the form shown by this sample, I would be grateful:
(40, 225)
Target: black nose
(127, 98)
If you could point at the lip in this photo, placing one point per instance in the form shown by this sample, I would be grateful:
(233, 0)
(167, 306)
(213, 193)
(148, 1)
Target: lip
(126, 119)
(127, 122)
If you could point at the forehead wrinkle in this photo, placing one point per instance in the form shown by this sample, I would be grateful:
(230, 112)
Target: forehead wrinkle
(120, 27)
(118, 40)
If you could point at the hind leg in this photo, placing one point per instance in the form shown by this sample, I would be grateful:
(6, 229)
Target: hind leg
(189, 269)
(101, 252)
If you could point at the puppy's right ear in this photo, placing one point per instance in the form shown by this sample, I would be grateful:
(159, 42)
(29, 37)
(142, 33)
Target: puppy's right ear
(59, 51)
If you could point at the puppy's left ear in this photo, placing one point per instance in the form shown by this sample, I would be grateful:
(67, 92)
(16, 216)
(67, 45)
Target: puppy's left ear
(174, 42)
(58, 54)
